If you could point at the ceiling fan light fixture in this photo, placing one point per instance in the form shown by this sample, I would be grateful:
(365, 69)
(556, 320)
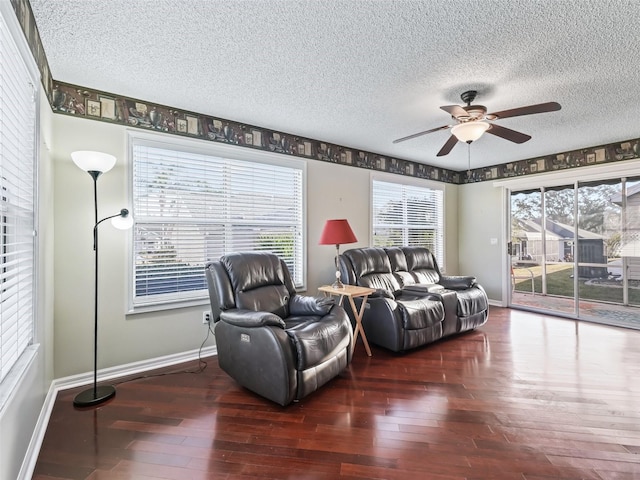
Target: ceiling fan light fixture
(469, 131)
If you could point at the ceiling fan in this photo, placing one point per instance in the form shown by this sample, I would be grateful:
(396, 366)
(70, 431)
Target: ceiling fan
(473, 120)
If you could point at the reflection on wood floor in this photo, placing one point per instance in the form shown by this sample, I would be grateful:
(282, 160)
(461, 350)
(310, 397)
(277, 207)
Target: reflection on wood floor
(527, 396)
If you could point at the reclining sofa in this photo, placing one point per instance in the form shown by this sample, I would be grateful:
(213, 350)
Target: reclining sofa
(414, 304)
(272, 341)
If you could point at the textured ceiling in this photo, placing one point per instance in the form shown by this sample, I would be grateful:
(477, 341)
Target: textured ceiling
(362, 73)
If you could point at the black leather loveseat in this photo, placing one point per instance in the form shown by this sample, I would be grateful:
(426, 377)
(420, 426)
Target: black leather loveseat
(271, 340)
(413, 304)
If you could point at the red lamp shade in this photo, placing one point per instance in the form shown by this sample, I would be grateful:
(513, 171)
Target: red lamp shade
(337, 232)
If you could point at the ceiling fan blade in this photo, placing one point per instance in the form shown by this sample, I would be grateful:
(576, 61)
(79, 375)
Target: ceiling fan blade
(447, 146)
(529, 110)
(455, 111)
(444, 127)
(508, 134)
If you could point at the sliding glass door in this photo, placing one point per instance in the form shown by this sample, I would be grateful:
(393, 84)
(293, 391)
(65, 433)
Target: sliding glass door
(575, 250)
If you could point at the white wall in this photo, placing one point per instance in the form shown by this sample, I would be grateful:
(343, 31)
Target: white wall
(20, 414)
(333, 191)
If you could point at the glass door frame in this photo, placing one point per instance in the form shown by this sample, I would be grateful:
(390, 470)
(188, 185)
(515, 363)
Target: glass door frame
(627, 172)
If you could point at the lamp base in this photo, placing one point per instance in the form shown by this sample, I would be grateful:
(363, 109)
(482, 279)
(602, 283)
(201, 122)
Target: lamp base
(337, 284)
(88, 399)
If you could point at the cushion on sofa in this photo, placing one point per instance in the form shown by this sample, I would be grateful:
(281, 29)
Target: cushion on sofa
(373, 269)
(420, 313)
(368, 260)
(397, 259)
(419, 258)
(421, 266)
(381, 281)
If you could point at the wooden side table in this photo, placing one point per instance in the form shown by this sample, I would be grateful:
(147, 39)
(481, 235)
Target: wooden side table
(351, 292)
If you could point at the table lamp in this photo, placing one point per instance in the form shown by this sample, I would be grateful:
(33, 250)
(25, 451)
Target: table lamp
(337, 232)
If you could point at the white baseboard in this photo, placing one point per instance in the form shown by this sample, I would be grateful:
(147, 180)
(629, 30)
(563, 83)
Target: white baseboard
(497, 303)
(31, 456)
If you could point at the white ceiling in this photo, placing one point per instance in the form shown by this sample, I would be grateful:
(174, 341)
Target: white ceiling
(362, 73)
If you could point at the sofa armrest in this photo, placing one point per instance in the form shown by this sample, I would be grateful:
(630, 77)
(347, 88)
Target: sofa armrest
(308, 305)
(457, 282)
(251, 319)
(382, 293)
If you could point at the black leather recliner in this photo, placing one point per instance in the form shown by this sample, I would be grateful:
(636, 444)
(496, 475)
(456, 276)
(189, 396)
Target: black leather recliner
(272, 341)
(413, 304)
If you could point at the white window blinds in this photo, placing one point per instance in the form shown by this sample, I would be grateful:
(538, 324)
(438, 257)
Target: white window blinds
(190, 208)
(17, 196)
(406, 215)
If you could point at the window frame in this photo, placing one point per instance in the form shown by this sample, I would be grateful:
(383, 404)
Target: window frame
(412, 182)
(203, 147)
(25, 358)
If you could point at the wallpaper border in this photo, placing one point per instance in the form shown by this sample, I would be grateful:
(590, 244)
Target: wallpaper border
(83, 102)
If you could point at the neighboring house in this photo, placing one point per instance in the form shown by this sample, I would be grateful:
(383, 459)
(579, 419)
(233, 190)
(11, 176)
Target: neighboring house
(631, 232)
(630, 250)
(560, 245)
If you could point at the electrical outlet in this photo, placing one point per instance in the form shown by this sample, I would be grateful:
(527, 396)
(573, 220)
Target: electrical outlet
(206, 317)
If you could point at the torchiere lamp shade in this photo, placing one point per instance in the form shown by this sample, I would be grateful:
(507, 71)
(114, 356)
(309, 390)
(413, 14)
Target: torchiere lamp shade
(337, 232)
(93, 161)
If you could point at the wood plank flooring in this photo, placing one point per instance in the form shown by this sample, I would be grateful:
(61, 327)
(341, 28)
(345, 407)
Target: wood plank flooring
(526, 396)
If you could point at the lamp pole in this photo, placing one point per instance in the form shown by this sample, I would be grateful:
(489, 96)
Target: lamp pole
(96, 163)
(95, 395)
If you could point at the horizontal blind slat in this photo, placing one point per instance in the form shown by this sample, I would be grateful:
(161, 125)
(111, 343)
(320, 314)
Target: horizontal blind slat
(406, 215)
(17, 202)
(190, 208)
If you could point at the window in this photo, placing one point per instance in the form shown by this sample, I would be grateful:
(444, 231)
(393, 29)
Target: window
(17, 200)
(405, 215)
(191, 206)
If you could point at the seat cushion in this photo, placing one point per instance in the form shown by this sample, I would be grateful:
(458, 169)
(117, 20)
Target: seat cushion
(420, 313)
(317, 339)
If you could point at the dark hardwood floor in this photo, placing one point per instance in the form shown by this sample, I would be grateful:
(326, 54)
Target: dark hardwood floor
(526, 396)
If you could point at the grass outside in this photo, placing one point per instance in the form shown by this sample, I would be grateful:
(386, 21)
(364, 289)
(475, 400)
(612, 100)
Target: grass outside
(560, 283)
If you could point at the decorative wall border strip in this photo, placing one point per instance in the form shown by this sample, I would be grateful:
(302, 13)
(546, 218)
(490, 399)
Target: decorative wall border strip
(610, 153)
(108, 107)
(102, 106)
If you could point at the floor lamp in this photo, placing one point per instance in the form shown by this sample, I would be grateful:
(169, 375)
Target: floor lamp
(337, 232)
(95, 164)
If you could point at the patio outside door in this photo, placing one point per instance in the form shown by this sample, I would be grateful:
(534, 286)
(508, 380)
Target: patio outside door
(575, 250)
